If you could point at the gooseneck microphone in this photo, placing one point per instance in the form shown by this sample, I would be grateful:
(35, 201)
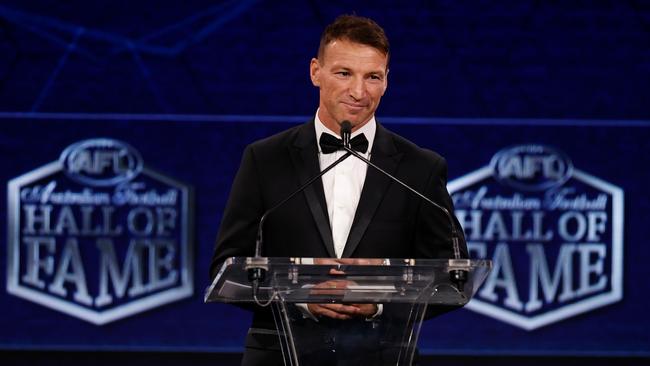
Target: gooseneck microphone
(346, 133)
(258, 265)
(457, 276)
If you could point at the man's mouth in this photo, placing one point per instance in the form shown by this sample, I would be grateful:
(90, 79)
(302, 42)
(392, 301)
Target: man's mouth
(354, 106)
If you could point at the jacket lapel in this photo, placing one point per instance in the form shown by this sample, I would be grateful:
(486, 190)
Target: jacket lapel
(385, 155)
(304, 155)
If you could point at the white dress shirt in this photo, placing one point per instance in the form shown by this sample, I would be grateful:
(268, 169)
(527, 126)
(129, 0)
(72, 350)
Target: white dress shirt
(343, 184)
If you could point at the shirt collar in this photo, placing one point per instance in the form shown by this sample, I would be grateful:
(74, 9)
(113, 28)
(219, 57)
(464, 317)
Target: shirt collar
(368, 129)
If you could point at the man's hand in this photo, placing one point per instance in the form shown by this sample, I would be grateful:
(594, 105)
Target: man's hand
(343, 311)
(335, 287)
(339, 311)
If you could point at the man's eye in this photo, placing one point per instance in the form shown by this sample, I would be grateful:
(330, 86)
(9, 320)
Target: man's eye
(343, 73)
(375, 77)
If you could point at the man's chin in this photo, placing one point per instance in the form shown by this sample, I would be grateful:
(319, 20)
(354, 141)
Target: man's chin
(355, 120)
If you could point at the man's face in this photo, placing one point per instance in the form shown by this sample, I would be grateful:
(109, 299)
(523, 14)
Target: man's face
(352, 78)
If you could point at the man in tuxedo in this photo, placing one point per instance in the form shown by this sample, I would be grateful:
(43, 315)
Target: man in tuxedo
(353, 211)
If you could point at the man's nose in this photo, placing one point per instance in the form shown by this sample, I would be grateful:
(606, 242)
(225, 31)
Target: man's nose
(357, 88)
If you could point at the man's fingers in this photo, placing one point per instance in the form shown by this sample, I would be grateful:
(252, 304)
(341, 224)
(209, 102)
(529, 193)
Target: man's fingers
(366, 310)
(336, 311)
(334, 315)
(326, 311)
(342, 309)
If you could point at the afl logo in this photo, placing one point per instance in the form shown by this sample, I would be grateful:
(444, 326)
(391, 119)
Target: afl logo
(101, 162)
(531, 167)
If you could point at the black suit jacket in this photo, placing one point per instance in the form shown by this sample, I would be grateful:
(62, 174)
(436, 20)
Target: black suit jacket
(390, 222)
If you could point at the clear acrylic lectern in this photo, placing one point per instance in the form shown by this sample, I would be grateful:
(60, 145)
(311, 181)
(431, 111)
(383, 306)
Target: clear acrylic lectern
(408, 290)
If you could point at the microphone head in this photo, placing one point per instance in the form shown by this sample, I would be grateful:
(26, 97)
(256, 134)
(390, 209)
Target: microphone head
(346, 127)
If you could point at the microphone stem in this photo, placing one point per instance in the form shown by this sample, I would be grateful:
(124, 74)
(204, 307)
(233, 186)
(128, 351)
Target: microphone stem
(454, 232)
(259, 241)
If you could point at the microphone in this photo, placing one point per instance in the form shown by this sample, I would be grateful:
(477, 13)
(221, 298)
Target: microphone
(456, 275)
(346, 132)
(258, 265)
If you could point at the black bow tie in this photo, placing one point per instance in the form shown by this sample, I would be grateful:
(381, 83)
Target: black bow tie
(330, 144)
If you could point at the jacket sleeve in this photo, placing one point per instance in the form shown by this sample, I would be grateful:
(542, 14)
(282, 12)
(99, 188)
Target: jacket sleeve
(241, 216)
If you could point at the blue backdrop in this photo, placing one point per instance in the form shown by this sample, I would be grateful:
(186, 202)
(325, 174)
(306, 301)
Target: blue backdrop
(189, 86)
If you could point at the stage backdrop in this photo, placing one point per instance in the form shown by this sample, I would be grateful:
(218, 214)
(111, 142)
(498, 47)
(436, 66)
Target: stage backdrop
(110, 225)
(122, 125)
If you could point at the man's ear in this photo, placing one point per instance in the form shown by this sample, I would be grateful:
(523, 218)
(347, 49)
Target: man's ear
(385, 83)
(314, 72)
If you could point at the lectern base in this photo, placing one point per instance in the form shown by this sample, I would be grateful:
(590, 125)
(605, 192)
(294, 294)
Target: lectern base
(389, 339)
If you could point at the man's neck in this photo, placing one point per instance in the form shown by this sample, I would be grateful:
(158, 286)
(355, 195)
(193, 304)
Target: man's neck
(368, 129)
(335, 128)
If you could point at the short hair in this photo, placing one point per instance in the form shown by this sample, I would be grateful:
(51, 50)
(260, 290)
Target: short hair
(355, 29)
